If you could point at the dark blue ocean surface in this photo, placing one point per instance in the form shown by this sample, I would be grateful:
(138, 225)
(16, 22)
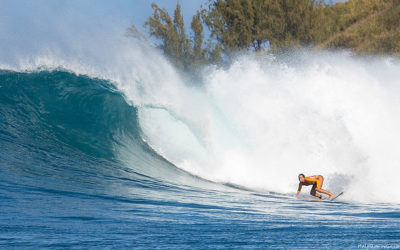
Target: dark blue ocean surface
(63, 184)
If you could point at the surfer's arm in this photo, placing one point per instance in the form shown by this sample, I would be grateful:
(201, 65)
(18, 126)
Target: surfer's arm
(299, 189)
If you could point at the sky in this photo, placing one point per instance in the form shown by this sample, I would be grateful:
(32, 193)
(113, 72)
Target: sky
(41, 13)
(27, 25)
(142, 9)
(33, 25)
(128, 11)
(16, 13)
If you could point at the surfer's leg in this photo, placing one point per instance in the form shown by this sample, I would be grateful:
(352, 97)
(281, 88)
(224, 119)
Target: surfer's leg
(325, 192)
(319, 187)
(314, 193)
(320, 181)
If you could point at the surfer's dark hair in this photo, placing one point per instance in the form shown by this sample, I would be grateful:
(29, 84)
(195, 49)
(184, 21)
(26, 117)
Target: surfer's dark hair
(302, 175)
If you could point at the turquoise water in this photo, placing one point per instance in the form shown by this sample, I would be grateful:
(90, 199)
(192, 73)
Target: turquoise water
(64, 183)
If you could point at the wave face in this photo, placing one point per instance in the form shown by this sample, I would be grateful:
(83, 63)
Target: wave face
(60, 108)
(46, 115)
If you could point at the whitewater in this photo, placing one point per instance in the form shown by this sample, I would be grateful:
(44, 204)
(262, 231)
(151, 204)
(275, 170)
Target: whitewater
(104, 144)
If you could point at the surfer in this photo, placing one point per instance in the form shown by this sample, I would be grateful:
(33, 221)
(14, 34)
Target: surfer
(316, 181)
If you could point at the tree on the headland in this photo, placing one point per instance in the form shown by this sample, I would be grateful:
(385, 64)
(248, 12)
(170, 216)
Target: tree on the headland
(231, 23)
(366, 26)
(186, 53)
(199, 54)
(183, 49)
(254, 24)
(171, 33)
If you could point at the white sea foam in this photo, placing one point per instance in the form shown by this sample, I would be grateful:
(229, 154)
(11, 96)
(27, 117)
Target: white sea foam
(262, 121)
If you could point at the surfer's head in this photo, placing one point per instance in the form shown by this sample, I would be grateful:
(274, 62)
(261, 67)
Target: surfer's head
(301, 177)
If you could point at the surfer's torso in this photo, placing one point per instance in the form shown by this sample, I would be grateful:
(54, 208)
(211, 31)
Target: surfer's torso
(311, 180)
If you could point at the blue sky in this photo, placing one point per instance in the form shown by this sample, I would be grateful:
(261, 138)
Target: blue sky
(124, 12)
(29, 25)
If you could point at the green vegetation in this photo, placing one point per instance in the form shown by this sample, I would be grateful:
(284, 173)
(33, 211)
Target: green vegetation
(249, 24)
(172, 34)
(186, 53)
(365, 26)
